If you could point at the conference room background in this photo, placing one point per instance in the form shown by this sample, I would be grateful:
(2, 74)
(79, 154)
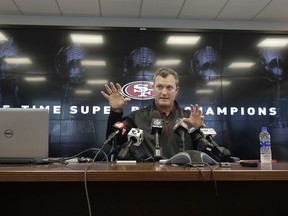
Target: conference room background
(239, 82)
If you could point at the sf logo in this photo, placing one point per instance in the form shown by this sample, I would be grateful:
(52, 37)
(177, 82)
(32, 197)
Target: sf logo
(139, 90)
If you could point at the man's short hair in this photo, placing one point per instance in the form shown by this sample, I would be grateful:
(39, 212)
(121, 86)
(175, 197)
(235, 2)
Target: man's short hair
(164, 72)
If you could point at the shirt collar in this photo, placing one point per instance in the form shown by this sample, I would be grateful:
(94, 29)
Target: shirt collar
(175, 107)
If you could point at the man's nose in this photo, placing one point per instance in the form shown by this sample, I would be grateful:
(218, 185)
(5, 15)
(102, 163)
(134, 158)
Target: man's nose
(164, 91)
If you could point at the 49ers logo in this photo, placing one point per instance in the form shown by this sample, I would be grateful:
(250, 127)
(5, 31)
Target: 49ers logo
(139, 90)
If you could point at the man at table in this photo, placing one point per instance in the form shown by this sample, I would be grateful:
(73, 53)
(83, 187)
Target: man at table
(166, 88)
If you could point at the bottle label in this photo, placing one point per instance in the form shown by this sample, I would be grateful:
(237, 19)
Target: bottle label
(264, 144)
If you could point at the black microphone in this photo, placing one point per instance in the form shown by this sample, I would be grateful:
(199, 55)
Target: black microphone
(156, 129)
(198, 138)
(208, 134)
(120, 129)
(194, 132)
(221, 153)
(156, 126)
(135, 137)
(181, 128)
(204, 145)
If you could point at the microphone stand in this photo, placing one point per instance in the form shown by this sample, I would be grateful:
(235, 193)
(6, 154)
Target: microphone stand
(112, 151)
(158, 152)
(156, 125)
(181, 128)
(182, 144)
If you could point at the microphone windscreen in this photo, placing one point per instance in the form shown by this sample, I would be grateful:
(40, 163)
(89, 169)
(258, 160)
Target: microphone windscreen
(121, 127)
(156, 114)
(156, 122)
(129, 124)
(193, 130)
(136, 135)
(194, 133)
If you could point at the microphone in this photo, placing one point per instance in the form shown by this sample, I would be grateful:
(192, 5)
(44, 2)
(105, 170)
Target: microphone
(120, 128)
(135, 137)
(156, 126)
(221, 153)
(193, 133)
(198, 138)
(156, 129)
(181, 128)
(209, 133)
(204, 145)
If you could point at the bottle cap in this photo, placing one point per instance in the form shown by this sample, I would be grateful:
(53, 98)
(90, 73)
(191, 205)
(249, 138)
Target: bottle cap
(264, 128)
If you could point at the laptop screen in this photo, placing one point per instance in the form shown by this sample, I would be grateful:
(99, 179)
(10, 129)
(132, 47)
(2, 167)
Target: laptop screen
(23, 134)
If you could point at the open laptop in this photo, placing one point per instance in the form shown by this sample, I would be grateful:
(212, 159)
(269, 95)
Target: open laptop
(23, 135)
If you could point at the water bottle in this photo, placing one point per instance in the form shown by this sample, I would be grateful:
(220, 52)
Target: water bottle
(265, 146)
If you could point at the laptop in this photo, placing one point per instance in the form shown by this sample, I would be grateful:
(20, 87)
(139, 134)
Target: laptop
(24, 135)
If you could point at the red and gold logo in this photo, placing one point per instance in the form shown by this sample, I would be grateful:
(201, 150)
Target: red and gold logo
(139, 90)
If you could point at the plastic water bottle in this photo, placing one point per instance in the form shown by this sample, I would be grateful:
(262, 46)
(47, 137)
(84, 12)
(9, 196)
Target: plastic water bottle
(265, 146)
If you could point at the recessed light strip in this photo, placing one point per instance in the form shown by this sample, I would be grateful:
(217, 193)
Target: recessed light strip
(183, 40)
(87, 39)
(241, 64)
(273, 42)
(35, 79)
(93, 63)
(13, 60)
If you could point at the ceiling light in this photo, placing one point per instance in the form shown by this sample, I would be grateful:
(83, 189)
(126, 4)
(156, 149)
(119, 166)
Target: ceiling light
(182, 40)
(2, 37)
(93, 63)
(17, 60)
(273, 42)
(34, 79)
(204, 91)
(168, 62)
(241, 64)
(87, 39)
(83, 91)
(219, 83)
(96, 82)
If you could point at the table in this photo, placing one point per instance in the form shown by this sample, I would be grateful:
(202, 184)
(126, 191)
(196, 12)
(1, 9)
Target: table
(143, 189)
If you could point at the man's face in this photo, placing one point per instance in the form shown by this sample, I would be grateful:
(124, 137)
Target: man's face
(165, 91)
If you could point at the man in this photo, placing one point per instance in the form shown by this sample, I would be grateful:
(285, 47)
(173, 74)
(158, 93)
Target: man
(166, 88)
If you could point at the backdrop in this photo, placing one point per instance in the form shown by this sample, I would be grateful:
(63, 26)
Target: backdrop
(240, 84)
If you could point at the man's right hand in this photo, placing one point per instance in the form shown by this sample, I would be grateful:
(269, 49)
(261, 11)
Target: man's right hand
(114, 96)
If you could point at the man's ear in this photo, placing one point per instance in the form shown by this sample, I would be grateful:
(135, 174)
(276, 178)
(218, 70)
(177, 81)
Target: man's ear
(177, 89)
